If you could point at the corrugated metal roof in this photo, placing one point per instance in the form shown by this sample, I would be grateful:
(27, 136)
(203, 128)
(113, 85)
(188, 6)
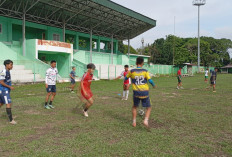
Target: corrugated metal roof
(105, 17)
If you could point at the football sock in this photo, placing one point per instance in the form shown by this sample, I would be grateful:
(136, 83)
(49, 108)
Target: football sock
(50, 103)
(86, 109)
(46, 103)
(127, 93)
(9, 114)
(134, 120)
(124, 93)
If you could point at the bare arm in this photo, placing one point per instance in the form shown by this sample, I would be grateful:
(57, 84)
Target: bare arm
(71, 76)
(5, 85)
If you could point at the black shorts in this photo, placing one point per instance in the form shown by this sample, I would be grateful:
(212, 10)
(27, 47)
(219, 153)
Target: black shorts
(51, 89)
(146, 102)
(213, 82)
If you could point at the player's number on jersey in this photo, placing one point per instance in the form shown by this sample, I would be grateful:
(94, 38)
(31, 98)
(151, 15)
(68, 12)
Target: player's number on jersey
(139, 80)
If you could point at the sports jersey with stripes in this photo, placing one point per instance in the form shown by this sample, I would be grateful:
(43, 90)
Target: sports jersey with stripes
(139, 79)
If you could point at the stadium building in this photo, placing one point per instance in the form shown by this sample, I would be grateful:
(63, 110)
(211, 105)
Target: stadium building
(72, 32)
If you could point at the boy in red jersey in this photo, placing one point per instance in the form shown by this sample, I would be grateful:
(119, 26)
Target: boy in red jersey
(126, 83)
(179, 79)
(85, 91)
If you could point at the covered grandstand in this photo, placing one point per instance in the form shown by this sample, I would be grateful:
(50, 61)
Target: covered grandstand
(74, 32)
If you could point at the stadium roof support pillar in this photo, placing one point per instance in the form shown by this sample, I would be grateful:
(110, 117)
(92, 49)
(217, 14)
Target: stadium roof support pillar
(77, 41)
(98, 44)
(112, 49)
(23, 35)
(128, 47)
(64, 32)
(91, 44)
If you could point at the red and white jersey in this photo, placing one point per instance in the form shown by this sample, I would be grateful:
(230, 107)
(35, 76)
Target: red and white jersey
(87, 80)
(123, 74)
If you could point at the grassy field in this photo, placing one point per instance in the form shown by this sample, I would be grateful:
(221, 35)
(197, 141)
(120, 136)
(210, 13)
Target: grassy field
(188, 122)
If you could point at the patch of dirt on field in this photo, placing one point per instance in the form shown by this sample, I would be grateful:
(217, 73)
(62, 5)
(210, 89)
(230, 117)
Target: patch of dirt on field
(105, 97)
(32, 112)
(155, 124)
(194, 88)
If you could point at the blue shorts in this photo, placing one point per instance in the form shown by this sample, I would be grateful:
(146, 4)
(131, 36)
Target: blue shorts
(146, 102)
(5, 97)
(73, 81)
(51, 88)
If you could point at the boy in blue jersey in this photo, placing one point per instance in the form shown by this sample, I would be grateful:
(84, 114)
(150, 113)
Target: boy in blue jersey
(72, 79)
(5, 88)
(140, 78)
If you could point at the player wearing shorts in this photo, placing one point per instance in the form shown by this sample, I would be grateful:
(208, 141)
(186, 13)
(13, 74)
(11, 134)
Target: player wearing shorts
(72, 79)
(140, 78)
(86, 95)
(126, 83)
(50, 81)
(206, 75)
(179, 78)
(5, 89)
(213, 79)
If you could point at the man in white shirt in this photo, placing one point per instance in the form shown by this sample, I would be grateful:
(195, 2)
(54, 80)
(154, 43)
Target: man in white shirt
(50, 81)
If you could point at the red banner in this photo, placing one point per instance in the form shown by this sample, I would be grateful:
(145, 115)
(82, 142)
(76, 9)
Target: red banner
(54, 43)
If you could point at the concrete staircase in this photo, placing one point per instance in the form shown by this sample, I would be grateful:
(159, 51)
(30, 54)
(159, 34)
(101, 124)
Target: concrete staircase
(20, 75)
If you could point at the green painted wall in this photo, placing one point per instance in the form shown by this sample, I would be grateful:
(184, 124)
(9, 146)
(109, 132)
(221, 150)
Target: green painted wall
(13, 28)
(63, 61)
(7, 53)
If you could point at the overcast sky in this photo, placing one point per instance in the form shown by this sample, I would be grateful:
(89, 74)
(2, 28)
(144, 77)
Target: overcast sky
(216, 18)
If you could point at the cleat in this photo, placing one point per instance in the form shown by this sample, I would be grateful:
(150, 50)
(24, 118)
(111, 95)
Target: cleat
(47, 107)
(123, 98)
(52, 107)
(214, 91)
(13, 122)
(85, 114)
(181, 87)
(73, 92)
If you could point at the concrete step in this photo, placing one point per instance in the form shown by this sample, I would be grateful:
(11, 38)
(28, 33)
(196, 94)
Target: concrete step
(25, 78)
(15, 67)
(20, 72)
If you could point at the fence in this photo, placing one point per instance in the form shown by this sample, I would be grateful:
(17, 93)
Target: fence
(113, 71)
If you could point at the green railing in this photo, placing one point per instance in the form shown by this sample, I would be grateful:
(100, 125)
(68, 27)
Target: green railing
(81, 68)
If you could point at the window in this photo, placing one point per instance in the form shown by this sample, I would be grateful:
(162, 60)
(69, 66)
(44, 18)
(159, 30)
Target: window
(56, 37)
(0, 28)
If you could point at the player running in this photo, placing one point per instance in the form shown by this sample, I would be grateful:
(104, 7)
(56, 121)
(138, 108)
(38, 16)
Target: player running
(5, 89)
(86, 95)
(126, 83)
(72, 79)
(206, 75)
(140, 78)
(179, 78)
(50, 81)
(213, 79)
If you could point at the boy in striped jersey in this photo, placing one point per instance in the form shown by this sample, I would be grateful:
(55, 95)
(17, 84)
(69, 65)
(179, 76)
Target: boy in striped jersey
(140, 78)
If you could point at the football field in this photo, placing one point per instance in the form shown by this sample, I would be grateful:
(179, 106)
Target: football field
(188, 122)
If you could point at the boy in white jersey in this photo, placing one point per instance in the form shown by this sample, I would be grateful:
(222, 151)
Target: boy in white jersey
(126, 83)
(206, 75)
(50, 82)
